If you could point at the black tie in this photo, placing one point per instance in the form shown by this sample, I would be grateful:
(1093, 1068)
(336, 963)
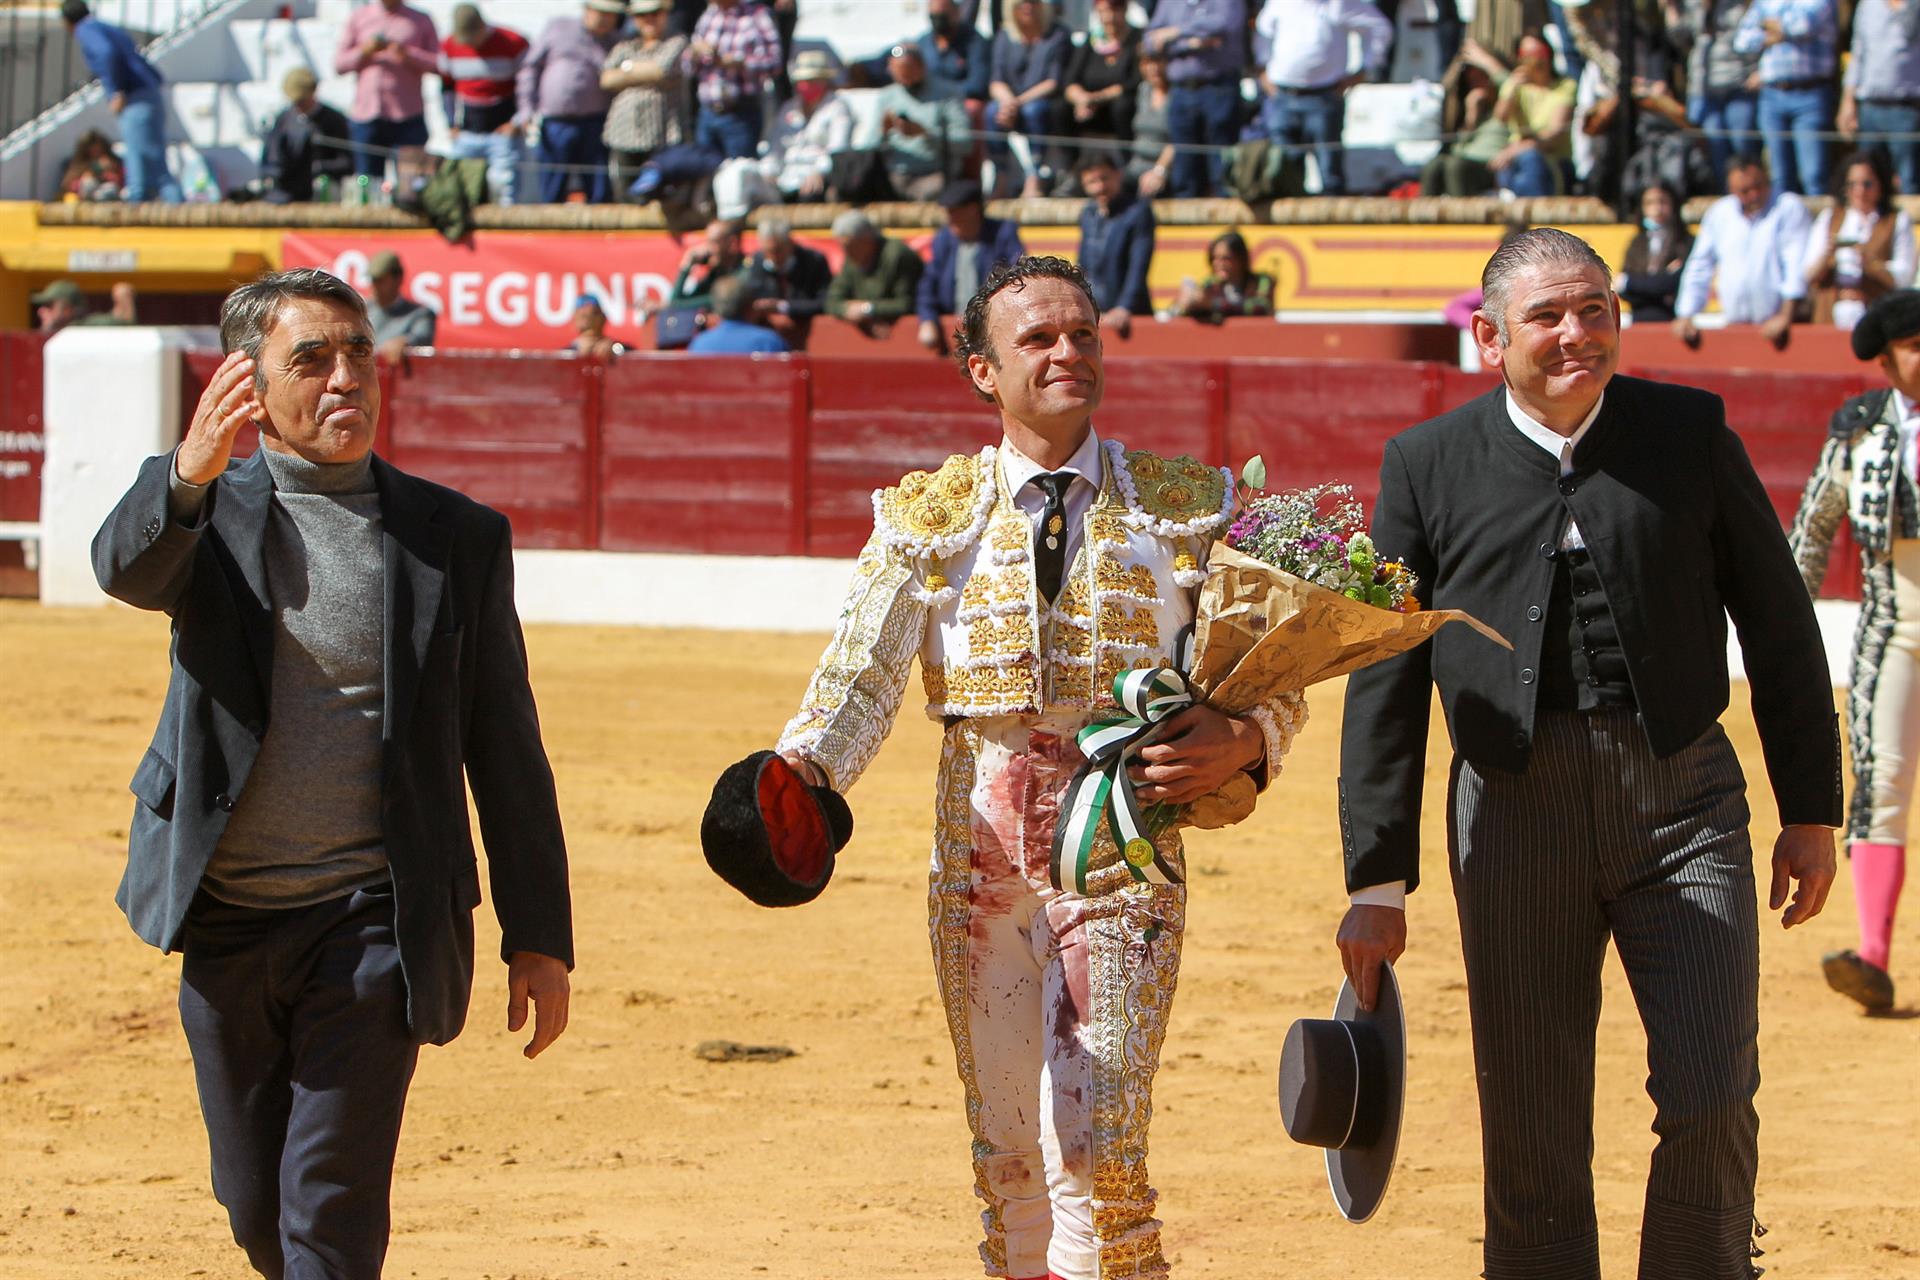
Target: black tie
(1050, 547)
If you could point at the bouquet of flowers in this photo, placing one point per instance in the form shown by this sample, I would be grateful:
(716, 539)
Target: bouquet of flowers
(1319, 534)
(1295, 594)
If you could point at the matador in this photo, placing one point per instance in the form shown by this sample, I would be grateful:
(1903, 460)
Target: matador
(1025, 578)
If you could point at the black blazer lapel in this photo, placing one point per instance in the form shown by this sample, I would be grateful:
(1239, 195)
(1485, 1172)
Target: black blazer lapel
(241, 502)
(415, 547)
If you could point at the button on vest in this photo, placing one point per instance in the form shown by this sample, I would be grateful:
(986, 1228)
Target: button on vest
(1582, 665)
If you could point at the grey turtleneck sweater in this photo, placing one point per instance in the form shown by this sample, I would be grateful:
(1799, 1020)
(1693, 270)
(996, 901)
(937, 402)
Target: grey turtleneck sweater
(306, 827)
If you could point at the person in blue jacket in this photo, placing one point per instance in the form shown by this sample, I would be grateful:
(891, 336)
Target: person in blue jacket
(1116, 242)
(133, 87)
(735, 335)
(964, 251)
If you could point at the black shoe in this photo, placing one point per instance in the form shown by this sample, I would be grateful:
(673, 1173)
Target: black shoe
(1851, 976)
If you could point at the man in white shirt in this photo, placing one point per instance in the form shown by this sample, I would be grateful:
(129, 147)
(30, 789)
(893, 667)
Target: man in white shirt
(1749, 251)
(1305, 73)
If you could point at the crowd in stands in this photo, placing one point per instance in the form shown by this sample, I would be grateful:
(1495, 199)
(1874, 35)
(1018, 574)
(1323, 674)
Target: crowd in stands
(649, 99)
(706, 103)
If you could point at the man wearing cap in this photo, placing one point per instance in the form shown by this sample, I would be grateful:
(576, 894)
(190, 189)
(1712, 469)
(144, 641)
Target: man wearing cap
(813, 127)
(559, 91)
(1610, 527)
(133, 87)
(965, 252)
(307, 141)
(481, 62)
(390, 47)
(923, 131)
(57, 306)
(1029, 580)
(398, 321)
(1866, 478)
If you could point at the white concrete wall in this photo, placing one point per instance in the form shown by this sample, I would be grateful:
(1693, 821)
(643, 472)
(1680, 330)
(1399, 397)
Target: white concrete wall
(726, 593)
(111, 400)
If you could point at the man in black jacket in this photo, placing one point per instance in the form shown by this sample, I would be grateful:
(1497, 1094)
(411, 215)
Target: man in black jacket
(1609, 526)
(346, 658)
(307, 141)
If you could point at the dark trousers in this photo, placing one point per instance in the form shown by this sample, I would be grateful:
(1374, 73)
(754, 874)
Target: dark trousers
(1599, 839)
(567, 142)
(1292, 118)
(1205, 113)
(734, 134)
(386, 136)
(297, 1020)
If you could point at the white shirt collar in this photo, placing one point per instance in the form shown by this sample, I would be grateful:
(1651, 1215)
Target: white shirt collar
(1546, 437)
(1019, 468)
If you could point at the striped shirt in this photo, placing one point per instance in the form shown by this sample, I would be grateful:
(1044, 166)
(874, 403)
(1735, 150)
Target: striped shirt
(1809, 49)
(741, 33)
(482, 77)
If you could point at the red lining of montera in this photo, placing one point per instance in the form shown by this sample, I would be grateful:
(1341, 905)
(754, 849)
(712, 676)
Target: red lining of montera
(796, 829)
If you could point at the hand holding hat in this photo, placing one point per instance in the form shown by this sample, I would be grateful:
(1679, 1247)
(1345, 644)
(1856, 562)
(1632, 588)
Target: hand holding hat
(772, 834)
(1342, 1087)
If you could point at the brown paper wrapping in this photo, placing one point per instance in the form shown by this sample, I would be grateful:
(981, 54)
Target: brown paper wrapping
(1261, 632)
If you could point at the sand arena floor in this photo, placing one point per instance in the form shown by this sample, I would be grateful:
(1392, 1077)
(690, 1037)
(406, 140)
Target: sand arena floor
(620, 1153)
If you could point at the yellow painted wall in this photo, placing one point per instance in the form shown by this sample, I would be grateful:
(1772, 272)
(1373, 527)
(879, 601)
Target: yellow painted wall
(1316, 268)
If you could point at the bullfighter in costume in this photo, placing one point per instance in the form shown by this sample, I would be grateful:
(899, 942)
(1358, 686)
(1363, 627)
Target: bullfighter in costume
(1025, 578)
(1867, 475)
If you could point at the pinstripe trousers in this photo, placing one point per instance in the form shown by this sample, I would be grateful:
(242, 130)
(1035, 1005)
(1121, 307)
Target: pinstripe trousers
(1595, 839)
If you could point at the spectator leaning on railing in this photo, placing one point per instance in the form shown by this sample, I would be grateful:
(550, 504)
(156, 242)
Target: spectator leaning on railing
(307, 141)
(1204, 42)
(390, 48)
(1749, 251)
(1797, 41)
(398, 321)
(735, 334)
(1116, 243)
(479, 64)
(559, 91)
(1881, 92)
(133, 89)
(965, 251)
(650, 107)
(921, 132)
(1306, 77)
(789, 282)
(878, 276)
(1862, 248)
(735, 47)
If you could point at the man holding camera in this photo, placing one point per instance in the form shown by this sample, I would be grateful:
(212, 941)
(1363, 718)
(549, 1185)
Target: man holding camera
(390, 47)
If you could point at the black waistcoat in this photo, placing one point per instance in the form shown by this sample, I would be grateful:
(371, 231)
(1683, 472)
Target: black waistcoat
(1582, 664)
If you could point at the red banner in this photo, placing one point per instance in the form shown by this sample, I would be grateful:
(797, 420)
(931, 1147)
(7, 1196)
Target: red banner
(500, 291)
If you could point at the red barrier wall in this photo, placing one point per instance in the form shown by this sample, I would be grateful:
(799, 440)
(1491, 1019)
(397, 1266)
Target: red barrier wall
(22, 440)
(780, 456)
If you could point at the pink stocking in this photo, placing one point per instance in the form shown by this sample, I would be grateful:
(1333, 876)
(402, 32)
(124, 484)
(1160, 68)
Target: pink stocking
(1878, 870)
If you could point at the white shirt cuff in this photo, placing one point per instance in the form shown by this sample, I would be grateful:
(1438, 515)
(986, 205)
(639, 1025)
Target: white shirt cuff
(1392, 894)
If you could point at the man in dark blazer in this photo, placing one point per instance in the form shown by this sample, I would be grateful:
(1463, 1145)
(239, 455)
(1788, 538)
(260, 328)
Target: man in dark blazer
(346, 657)
(964, 252)
(1608, 526)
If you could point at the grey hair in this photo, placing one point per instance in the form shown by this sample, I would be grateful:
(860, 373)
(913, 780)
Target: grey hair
(1539, 247)
(853, 224)
(773, 227)
(248, 314)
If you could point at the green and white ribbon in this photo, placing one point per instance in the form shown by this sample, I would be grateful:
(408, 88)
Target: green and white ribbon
(1103, 789)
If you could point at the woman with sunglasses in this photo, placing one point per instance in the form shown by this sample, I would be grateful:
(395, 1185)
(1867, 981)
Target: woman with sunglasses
(1860, 249)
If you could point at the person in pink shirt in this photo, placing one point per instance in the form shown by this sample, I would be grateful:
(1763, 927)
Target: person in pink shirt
(391, 47)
